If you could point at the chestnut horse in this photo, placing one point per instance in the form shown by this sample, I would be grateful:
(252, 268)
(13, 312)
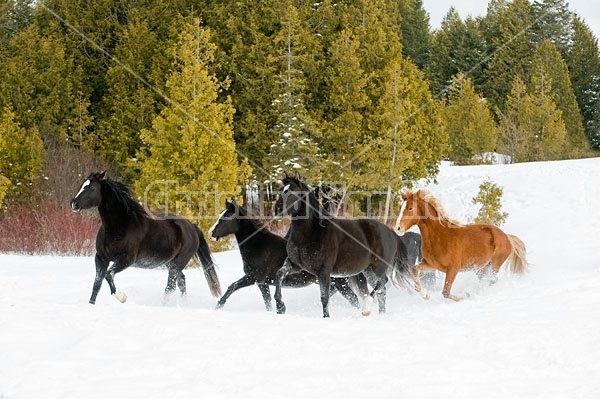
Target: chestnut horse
(451, 247)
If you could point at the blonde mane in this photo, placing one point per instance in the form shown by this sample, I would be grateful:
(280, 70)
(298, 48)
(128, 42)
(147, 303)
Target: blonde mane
(443, 218)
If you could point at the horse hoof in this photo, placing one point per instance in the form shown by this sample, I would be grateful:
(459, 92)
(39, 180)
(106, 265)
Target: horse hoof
(121, 297)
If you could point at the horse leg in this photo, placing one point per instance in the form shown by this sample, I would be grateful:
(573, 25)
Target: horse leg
(171, 280)
(360, 287)
(266, 294)
(342, 285)
(181, 283)
(324, 285)
(381, 292)
(283, 271)
(245, 281)
(101, 266)
(416, 272)
(119, 265)
(450, 276)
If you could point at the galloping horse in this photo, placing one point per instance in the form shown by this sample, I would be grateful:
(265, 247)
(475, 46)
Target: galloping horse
(129, 236)
(263, 253)
(450, 247)
(327, 246)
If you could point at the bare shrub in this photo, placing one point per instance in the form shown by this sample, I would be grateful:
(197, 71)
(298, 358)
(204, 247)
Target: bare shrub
(48, 228)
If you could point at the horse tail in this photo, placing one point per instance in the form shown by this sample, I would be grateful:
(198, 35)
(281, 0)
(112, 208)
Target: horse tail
(401, 269)
(210, 273)
(517, 260)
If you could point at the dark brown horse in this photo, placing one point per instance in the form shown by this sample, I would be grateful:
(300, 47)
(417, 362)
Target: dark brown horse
(263, 253)
(327, 246)
(129, 236)
(450, 247)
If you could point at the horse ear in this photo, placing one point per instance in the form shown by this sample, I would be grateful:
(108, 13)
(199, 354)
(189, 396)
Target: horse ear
(285, 175)
(102, 176)
(227, 203)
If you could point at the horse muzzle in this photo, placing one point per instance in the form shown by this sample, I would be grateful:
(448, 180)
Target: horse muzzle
(75, 206)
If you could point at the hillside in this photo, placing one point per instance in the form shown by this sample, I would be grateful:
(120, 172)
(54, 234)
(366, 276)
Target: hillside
(529, 337)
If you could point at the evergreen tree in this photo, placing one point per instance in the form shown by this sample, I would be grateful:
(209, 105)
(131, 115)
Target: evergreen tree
(471, 127)
(15, 15)
(191, 140)
(416, 36)
(244, 33)
(294, 149)
(553, 21)
(583, 60)
(508, 34)
(457, 47)
(411, 142)
(490, 199)
(532, 128)
(41, 82)
(129, 104)
(347, 99)
(21, 156)
(548, 64)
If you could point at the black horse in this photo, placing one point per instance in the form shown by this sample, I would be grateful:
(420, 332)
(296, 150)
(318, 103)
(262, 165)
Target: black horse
(412, 241)
(324, 246)
(129, 236)
(263, 253)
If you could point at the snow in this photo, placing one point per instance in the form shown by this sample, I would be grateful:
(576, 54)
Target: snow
(534, 336)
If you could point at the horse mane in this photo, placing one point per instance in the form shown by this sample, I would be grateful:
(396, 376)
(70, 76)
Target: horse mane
(316, 208)
(255, 222)
(125, 197)
(443, 218)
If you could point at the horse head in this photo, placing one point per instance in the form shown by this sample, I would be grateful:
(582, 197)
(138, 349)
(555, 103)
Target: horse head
(228, 222)
(293, 194)
(409, 212)
(89, 195)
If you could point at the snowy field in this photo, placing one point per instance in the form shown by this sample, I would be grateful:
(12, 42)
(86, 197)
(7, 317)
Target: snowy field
(536, 336)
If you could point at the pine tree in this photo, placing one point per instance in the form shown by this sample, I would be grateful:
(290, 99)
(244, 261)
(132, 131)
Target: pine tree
(547, 62)
(191, 140)
(583, 60)
(471, 127)
(416, 36)
(347, 99)
(243, 31)
(21, 156)
(508, 34)
(490, 199)
(129, 105)
(553, 21)
(42, 83)
(294, 149)
(532, 128)
(411, 142)
(457, 47)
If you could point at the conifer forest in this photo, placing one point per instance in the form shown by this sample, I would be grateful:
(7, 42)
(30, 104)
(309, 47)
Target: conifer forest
(200, 96)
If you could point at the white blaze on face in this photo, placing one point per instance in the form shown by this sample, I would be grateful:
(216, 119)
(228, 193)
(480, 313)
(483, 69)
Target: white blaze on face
(286, 188)
(398, 226)
(210, 231)
(83, 186)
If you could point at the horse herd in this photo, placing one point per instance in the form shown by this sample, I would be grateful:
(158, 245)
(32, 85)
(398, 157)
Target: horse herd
(341, 255)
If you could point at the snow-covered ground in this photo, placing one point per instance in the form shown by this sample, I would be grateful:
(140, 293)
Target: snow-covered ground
(536, 336)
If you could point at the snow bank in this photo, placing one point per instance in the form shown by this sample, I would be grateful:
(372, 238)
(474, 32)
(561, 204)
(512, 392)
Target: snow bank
(529, 337)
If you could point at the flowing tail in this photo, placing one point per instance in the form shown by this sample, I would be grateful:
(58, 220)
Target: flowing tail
(517, 260)
(210, 273)
(401, 271)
